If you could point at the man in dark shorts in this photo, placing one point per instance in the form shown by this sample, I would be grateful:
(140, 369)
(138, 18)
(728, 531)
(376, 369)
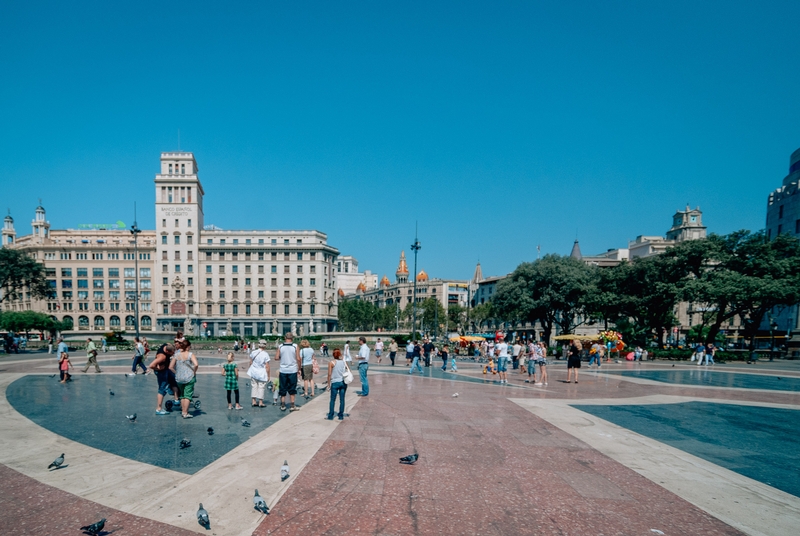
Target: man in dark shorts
(164, 376)
(289, 358)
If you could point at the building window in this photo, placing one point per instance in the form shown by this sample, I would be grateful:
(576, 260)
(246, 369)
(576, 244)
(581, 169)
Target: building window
(312, 282)
(286, 309)
(299, 269)
(299, 294)
(164, 239)
(260, 281)
(208, 309)
(274, 307)
(96, 272)
(235, 281)
(286, 269)
(190, 268)
(286, 282)
(66, 283)
(177, 268)
(222, 309)
(780, 229)
(274, 282)
(260, 309)
(235, 309)
(83, 272)
(221, 294)
(299, 309)
(299, 281)
(313, 308)
(286, 295)
(780, 212)
(83, 283)
(299, 254)
(208, 281)
(246, 309)
(247, 281)
(273, 269)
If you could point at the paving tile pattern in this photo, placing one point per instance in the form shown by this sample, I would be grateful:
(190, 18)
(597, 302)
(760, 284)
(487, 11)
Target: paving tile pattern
(30, 507)
(486, 466)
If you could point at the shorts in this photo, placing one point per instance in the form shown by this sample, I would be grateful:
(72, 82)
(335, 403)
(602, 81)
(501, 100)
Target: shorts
(378, 353)
(166, 381)
(308, 372)
(287, 383)
(186, 390)
(531, 367)
(502, 364)
(409, 356)
(574, 362)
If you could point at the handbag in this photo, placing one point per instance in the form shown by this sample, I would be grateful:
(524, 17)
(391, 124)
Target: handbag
(314, 365)
(347, 375)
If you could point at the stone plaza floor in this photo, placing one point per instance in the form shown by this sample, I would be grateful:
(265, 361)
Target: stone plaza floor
(632, 449)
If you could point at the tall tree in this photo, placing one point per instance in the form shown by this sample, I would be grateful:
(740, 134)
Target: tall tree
(553, 290)
(19, 273)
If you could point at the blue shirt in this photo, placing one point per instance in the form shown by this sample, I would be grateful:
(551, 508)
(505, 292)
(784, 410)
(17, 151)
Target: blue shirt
(62, 348)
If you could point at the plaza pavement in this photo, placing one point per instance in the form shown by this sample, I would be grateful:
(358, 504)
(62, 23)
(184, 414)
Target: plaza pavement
(637, 449)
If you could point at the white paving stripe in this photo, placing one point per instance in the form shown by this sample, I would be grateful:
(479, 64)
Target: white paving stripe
(744, 503)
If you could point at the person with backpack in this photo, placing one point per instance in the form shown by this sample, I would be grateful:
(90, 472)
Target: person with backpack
(290, 365)
(184, 367)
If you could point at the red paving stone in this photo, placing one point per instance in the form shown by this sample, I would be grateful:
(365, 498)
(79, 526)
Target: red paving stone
(30, 507)
(486, 466)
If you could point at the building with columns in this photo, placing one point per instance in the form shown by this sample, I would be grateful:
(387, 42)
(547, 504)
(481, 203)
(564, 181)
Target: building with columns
(197, 278)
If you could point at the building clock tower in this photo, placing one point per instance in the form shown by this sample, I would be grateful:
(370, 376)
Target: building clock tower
(179, 219)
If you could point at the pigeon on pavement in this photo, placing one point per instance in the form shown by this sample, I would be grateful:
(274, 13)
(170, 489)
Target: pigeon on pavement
(410, 459)
(260, 504)
(210, 431)
(285, 470)
(131, 418)
(185, 443)
(57, 462)
(94, 528)
(455, 395)
(245, 423)
(111, 392)
(202, 517)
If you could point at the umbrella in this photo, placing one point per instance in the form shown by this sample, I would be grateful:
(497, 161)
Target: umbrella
(468, 338)
(569, 337)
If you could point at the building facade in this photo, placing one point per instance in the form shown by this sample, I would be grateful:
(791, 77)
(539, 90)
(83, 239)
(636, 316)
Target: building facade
(348, 278)
(202, 280)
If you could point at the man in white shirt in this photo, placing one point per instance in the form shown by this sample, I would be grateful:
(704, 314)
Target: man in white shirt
(409, 352)
(363, 366)
(515, 350)
(501, 351)
(289, 358)
(138, 356)
(379, 349)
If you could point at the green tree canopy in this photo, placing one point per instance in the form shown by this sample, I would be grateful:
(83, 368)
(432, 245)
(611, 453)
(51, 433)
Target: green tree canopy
(19, 273)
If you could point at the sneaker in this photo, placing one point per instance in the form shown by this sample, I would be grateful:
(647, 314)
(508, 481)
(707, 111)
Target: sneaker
(187, 416)
(545, 383)
(528, 381)
(283, 408)
(538, 383)
(294, 408)
(161, 412)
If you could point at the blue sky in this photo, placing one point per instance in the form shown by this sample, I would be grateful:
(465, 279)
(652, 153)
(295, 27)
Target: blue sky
(498, 126)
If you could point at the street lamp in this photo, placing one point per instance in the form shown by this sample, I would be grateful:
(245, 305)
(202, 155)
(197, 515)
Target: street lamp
(772, 327)
(415, 247)
(135, 232)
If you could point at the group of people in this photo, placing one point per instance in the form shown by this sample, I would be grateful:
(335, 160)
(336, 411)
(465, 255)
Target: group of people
(704, 354)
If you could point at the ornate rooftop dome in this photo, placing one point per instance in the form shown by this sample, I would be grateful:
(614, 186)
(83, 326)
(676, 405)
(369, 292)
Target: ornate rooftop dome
(361, 287)
(403, 267)
(341, 293)
(422, 276)
(385, 281)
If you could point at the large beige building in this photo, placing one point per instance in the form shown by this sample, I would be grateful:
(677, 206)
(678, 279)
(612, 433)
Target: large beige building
(203, 280)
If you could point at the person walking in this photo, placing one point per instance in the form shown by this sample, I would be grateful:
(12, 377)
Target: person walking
(427, 348)
(49, 345)
(363, 367)
(324, 349)
(184, 367)
(541, 360)
(336, 368)
(531, 365)
(138, 356)
(290, 364)
(594, 355)
(409, 352)
(259, 373)
(700, 353)
(392, 351)
(231, 373)
(307, 360)
(346, 353)
(415, 354)
(501, 351)
(379, 349)
(515, 354)
(104, 344)
(453, 367)
(710, 351)
(64, 365)
(443, 355)
(574, 360)
(164, 376)
(91, 354)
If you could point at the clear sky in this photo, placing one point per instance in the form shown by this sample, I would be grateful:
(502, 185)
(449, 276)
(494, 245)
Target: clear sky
(499, 126)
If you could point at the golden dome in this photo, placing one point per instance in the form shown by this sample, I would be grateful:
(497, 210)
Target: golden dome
(422, 276)
(402, 269)
(385, 281)
(361, 287)
(341, 293)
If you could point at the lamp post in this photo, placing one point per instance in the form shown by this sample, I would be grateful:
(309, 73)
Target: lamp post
(135, 232)
(772, 327)
(415, 247)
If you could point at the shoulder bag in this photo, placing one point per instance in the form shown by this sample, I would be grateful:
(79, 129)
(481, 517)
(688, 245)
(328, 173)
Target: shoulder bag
(347, 375)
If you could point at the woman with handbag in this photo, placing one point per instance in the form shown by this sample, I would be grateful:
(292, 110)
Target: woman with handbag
(339, 375)
(259, 373)
(184, 366)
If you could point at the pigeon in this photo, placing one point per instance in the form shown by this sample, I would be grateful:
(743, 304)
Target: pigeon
(245, 423)
(111, 392)
(185, 443)
(284, 470)
(52, 375)
(210, 431)
(455, 395)
(57, 462)
(131, 418)
(260, 504)
(247, 384)
(202, 517)
(411, 459)
(94, 528)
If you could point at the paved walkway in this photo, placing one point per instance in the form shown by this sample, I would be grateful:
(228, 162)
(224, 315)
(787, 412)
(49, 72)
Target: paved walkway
(636, 449)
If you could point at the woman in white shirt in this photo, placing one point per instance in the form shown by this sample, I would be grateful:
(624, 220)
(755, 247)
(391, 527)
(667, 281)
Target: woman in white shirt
(259, 373)
(346, 352)
(307, 356)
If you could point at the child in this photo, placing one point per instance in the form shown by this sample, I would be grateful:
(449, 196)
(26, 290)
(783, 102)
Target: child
(63, 364)
(231, 373)
(453, 367)
(489, 367)
(273, 386)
